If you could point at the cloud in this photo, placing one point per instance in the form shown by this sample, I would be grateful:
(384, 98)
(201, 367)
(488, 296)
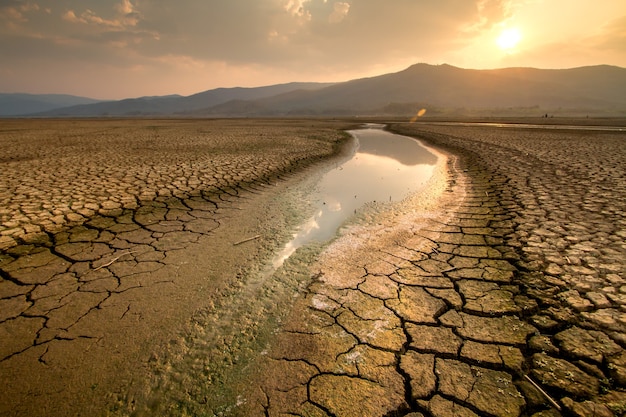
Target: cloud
(490, 13)
(126, 16)
(286, 33)
(288, 40)
(297, 9)
(125, 7)
(340, 11)
(324, 39)
(15, 11)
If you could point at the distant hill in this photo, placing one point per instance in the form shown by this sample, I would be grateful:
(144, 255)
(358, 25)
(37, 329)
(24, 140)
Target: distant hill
(445, 89)
(440, 89)
(178, 105)
(19, 104)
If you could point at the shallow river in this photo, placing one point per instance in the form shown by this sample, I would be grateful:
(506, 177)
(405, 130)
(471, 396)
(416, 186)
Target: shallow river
(385, 167)
(229, 338)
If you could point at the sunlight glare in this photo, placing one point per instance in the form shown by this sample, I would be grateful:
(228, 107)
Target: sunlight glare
(420, 113)
(509, 38)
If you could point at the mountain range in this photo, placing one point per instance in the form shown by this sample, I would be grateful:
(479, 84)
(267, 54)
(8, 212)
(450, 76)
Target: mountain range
(21, 104)
(440, 89)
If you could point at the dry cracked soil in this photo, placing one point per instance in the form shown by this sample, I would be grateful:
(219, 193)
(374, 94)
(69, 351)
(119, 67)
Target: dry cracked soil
(115, 234)
(497, 291)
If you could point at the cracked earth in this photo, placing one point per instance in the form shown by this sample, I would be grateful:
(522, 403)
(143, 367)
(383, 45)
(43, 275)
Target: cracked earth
(498, 291)
(113, 233)
(503, 298)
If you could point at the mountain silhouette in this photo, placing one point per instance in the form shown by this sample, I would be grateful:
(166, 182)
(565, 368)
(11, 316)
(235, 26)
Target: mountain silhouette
(439, 89)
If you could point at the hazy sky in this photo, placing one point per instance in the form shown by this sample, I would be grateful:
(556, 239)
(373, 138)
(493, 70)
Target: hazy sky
(111, 49)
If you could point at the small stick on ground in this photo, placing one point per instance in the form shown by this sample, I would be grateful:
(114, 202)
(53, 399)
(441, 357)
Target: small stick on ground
(545, 394)
(246, 240)
(114, 260)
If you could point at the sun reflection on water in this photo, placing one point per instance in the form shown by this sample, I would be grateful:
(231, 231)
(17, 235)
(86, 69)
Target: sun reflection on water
(384, 168)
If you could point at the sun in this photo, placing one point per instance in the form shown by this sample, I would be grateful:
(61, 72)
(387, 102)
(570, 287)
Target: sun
(509, 38)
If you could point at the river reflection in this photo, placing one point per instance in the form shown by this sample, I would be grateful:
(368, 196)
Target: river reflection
(384, 168)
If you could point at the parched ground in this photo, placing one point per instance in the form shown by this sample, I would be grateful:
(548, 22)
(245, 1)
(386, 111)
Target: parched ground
(501, 293)
(115, 234)
(498, 291)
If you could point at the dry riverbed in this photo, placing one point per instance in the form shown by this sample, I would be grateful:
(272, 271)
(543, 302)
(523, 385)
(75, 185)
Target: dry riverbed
(123, 293)
(497, 292)
(117, 239)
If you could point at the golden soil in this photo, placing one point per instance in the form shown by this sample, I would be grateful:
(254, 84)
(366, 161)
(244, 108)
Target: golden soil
(116, 238)
(124, 291)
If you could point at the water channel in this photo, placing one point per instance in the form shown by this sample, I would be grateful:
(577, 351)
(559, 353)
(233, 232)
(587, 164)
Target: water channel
(384, 167)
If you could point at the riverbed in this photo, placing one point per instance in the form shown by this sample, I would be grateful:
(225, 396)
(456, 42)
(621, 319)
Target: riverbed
(383, 167)
(222, 351)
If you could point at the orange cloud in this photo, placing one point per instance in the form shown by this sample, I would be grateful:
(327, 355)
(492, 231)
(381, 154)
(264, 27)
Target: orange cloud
(17, 13)
(126, 16)
(340, 11)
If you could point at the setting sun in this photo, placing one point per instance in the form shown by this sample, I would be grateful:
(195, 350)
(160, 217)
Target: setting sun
(509, 38)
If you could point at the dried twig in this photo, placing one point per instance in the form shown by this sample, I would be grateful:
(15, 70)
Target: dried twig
(545, 394)
(246, 240)
(114, 260)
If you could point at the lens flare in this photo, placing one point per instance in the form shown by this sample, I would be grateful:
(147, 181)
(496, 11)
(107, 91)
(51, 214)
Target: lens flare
(420, 113)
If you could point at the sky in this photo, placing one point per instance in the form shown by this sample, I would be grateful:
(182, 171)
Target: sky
(114, 49)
